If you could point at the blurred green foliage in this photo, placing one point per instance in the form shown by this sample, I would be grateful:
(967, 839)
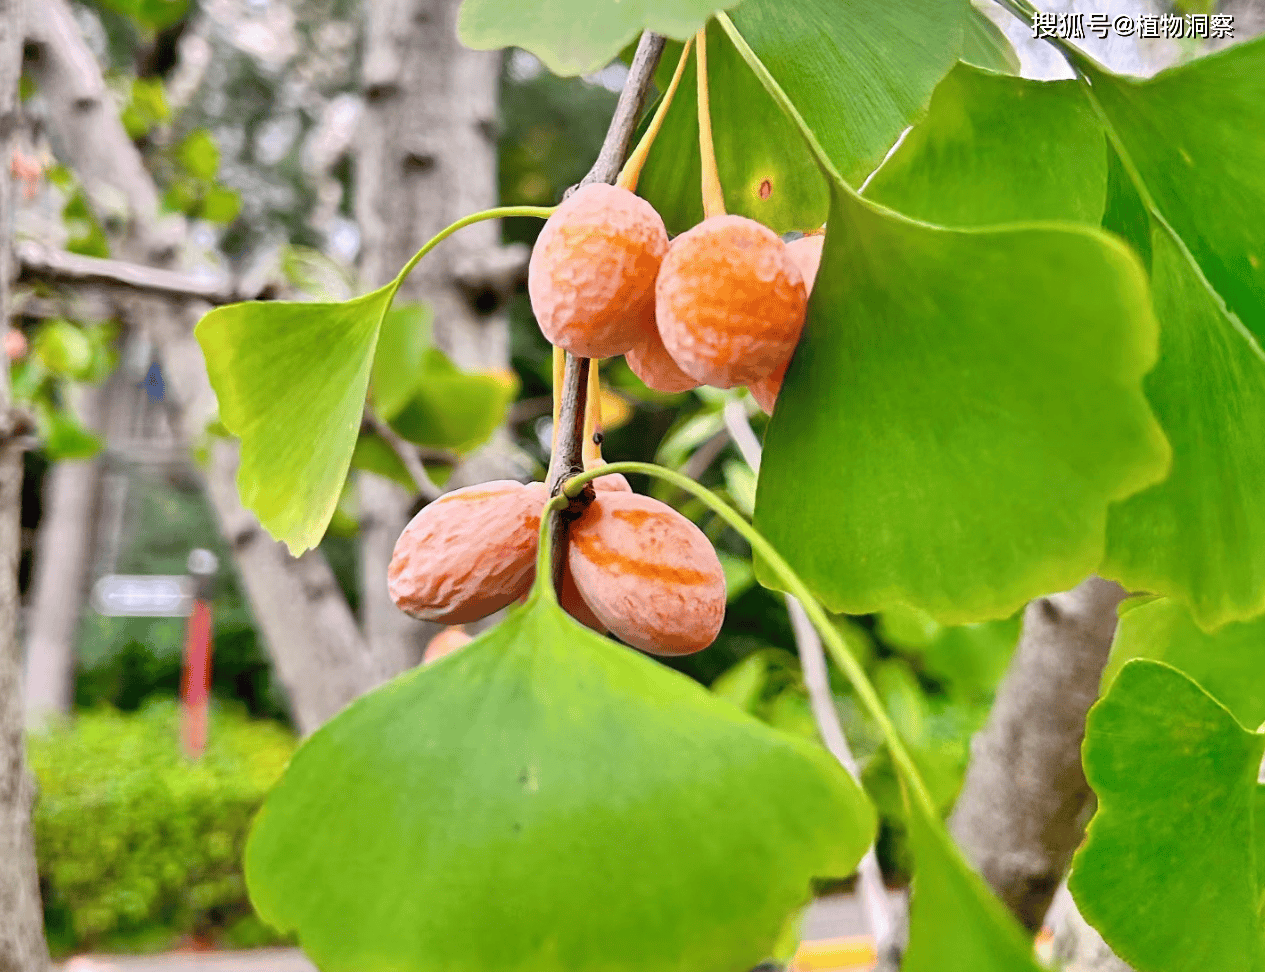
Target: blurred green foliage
(936, 683)
(139, 845)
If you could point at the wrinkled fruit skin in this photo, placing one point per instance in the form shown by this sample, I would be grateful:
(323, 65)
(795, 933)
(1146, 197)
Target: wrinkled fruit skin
(651, 363)
(570, 600)
(766, 390)
(445, 643)
(806, 255)
(648, 574)
(729, 301)
(592, 272)
(469, 553)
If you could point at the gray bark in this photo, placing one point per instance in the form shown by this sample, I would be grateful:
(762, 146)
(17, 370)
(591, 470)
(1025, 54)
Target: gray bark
(306, 623)
(319, 654)
(312, 637)
(1021, 813)
(63, 560)
(22, 946)
(427, 156)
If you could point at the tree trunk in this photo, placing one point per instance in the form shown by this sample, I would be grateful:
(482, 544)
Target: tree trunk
(22, 946)
(427, 156)
(307, 625)
(59, 587)
(1021, 813)
(310, 631)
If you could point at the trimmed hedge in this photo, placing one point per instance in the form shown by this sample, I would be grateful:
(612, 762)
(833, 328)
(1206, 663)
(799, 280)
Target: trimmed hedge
(139, 845)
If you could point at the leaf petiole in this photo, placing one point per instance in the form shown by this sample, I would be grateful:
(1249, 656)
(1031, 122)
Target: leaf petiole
(713, 196)
(631, 172)
(829, 634)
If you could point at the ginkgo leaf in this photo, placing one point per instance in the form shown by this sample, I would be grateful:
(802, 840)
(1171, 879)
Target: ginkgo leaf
(955, 922)
(1229, 664)
(963, 407)
(1200, 534)
(450, 408)
(858, 71)
(546, 800)
(998, 149)
(291, 380)
(577, 36)
(397, 363)
(1192, 135)
(1167, 873)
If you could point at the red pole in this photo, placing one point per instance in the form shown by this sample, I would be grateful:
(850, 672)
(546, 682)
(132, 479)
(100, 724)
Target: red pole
(196, 685)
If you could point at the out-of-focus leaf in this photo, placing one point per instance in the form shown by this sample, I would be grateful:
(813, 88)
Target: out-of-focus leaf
(199, 154)
(451, 408)
(397, 363)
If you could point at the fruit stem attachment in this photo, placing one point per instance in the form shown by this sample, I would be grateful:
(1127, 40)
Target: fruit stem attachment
(713, 197)
(821, 621)
(559, 370)
(592, 415)
(636, 162)
(567, 459)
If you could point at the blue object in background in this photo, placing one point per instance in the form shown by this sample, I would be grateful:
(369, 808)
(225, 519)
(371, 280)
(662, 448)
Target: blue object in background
(154, 382)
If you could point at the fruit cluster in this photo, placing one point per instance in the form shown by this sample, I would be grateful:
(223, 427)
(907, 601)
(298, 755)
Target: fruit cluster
(635, 567)
(722, 304)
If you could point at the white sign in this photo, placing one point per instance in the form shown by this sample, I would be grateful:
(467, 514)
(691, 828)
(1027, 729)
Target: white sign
(143, 595)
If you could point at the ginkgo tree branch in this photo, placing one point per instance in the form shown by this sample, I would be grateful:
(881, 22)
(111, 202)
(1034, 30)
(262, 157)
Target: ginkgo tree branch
(36, 261)
(567, 459)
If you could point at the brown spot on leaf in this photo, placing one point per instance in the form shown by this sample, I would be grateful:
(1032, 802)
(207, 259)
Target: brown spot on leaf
(766, 189)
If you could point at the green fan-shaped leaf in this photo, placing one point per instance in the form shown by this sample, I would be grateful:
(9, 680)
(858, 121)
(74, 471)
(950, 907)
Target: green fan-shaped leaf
(999, 149)
(858, 71)
(1192, 156)
(577, 36)
(398, 361)
(765, 173)
(1168, 873)
(545, 799)
(963, 407)
(373, 454)
(1193, 136)
(1200, 534)
(291, 380)
(1228, 664)
(955, 923)
(451, 408)
(986, 46)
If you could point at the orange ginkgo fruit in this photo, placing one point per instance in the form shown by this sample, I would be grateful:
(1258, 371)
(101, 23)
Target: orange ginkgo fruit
(647, 573)
(729, 301)
(469, 553)
(651, 362)
(445, 643)
(592, 273)
(806, 253)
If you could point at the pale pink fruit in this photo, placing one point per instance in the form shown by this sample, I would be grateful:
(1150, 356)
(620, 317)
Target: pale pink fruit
(648, 574)
(806, 254)
(469, 553)
(651, 363)
(729, 301)
(445, 643)
(592, 272)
